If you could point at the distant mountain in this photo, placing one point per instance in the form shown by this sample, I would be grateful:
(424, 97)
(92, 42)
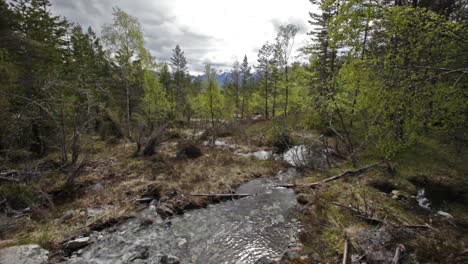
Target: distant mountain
(225, 77)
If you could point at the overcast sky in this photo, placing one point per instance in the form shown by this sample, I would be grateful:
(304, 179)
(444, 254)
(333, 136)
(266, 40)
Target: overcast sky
(214, 31)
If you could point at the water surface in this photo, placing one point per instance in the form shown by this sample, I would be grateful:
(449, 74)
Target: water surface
(238, 231)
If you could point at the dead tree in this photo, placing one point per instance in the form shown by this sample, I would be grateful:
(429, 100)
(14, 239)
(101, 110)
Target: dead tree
(155, 140)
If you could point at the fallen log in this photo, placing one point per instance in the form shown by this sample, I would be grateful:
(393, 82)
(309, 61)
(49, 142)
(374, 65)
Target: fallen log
(349, 173)
(8, 179)
(333, 178)
(221, 195)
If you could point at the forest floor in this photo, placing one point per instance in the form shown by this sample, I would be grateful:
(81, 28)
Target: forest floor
(375, 212)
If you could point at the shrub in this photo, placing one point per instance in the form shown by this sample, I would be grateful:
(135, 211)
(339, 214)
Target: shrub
(18, 196)
(282, 142)
(189, 150)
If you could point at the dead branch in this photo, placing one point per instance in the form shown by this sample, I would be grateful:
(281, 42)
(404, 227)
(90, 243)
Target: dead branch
(345, 252)
(350, 173)
(144, 200)
(222, 195)
(8, 179)
(336, 177)
(396, 259)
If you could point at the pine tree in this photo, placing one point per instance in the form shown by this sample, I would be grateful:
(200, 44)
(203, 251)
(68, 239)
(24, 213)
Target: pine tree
(235, 80)
(179, 68)
(245, 76)
(166, 81)
(264, 68)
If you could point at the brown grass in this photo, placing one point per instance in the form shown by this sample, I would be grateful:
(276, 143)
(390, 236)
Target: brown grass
(125, 178)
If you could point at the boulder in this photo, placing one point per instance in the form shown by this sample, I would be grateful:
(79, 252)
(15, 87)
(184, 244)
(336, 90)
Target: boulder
(67, 216)
(397, 195)
(93, 212)
(78, 243)
(168, 259)
(164, 210)
(96, 188)
(27, 254)
(444, 214)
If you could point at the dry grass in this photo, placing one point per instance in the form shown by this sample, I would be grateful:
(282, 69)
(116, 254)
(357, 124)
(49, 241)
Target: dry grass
(125, 178)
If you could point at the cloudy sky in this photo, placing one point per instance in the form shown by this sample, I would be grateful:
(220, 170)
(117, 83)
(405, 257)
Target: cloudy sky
(209, 31)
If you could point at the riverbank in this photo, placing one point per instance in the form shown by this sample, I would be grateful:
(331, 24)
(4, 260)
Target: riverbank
(115, 185)
(414, 206)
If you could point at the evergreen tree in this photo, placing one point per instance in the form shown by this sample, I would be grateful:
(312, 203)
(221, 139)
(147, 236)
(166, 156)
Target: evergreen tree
(245, 77)
(264, 68)
(179, 68)
(166, 81)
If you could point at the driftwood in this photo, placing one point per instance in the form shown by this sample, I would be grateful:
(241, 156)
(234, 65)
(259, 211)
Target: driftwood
(396, 259)
(222, 195)
(346, 252)
(144, 200)
(333, 178)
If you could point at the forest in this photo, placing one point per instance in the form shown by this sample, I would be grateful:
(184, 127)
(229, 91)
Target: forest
(381, 101)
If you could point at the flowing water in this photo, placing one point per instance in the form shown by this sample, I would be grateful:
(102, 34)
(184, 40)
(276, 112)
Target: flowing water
(422, 200)
(237, 231)
(296, 156)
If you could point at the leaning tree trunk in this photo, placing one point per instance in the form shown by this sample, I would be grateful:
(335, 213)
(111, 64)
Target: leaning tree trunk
(155, 139)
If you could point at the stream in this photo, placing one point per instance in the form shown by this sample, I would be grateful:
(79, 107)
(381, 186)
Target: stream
(235, 231)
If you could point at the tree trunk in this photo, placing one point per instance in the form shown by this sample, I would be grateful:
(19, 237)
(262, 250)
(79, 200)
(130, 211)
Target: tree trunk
(266, 96)
(274, 99)
(155, 139)
(287, 91)
(75, 147)
(129, 114)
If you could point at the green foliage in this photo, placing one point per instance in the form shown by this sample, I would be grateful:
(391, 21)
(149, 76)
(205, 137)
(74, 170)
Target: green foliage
(401, 78)
(18, 196)
(210, 102)
(155, 104)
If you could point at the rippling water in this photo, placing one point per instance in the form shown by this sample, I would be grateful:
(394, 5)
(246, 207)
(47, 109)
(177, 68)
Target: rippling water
(239, 231)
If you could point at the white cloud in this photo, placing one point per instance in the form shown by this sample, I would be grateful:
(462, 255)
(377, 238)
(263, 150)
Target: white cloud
(216, 31)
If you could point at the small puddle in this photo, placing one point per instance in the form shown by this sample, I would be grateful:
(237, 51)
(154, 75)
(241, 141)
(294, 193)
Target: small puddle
(237, 231)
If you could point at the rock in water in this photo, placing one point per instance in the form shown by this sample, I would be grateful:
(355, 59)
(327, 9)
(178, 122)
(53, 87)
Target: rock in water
(27, 254)
(169, 260)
